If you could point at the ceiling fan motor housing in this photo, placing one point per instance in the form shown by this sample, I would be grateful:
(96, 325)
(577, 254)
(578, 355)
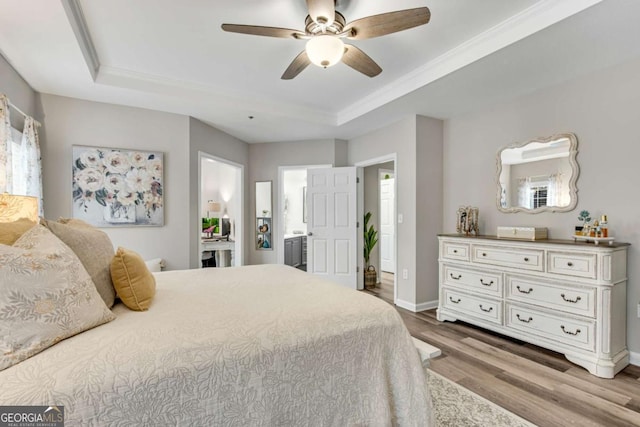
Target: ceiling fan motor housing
(313, 28)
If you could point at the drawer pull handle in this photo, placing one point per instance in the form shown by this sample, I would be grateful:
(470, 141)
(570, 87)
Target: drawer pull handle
(455, 251)
(526, 259)
(570, 264)
(486, 284)
(484, 254)
(525, 320)
(486, 310)
(454, 301)
(569, 332)
(524, 292)
(569, 299)
(454, 277)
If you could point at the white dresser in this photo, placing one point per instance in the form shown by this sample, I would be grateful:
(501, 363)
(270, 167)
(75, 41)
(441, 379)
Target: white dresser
(568, 297)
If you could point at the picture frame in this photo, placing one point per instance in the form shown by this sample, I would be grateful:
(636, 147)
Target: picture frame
(263, 233)
(116, 187)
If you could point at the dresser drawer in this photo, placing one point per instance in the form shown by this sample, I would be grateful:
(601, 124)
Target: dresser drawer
(477, 280)
(572, 264)
(570, 299)
(509, 257)
(478, 307)
(564, 330)
(455, 251)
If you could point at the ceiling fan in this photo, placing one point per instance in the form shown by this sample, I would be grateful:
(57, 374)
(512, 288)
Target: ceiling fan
(325, 28)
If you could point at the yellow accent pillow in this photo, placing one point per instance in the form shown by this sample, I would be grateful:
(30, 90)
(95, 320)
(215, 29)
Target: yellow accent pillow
(11, 231)
(134, 283)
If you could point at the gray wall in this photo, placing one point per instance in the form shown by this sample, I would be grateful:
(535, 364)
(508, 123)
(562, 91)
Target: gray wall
(602, 110)
(429, 168)
(75, 122)
(210, 140)
(412, 140)
(264, 160)
(19, 93)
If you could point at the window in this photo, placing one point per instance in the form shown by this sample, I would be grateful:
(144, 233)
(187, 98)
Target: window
(24, 176)
(539, 196)
(18, 164)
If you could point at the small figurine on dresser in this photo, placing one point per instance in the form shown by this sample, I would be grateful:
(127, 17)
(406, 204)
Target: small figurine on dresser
(467, 220)
(595, 232)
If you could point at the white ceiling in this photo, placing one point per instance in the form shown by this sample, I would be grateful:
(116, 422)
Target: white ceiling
(172, 56)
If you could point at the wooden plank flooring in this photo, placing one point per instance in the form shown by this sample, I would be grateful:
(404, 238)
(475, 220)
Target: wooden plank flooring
(537, 384)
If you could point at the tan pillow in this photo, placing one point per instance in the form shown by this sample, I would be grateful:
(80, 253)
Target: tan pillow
(46, 296)
(93, 247)
(11, 231)
(133, 281)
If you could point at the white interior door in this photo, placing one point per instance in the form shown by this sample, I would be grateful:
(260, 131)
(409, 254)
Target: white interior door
(387, 220)
(332, 226)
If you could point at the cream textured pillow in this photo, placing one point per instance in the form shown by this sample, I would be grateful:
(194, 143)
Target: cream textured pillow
(46, 295)
(133, 281)
(11, 231)
(93, 247)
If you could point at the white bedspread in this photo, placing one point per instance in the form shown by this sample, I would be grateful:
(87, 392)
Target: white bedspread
(258, 345)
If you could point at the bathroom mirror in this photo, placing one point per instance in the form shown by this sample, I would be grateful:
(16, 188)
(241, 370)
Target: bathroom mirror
(539, 175)
(264, 216)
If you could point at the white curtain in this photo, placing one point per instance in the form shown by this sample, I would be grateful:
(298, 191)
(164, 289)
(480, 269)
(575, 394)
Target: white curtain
(554, 189)
(20, 163)
(524, 193)
(6, 161)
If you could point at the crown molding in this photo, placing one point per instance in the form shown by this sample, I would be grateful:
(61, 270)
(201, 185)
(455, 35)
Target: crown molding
(536, 18)
(79, 26)
(203, 93)
(208, 95)
(531, 20)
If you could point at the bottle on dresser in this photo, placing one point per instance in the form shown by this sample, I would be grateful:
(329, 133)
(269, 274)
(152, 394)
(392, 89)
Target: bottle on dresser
(604, 226)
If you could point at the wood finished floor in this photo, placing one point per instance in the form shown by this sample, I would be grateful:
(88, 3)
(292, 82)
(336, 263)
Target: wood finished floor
(539, 385)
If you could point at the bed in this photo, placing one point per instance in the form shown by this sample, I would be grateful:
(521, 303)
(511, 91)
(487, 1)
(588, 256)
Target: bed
(255, 345)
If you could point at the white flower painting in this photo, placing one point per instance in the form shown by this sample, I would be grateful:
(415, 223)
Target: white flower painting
(115, 187)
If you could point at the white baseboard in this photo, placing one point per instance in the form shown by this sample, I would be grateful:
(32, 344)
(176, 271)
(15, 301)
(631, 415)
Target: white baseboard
(417, 307)
(634, 358)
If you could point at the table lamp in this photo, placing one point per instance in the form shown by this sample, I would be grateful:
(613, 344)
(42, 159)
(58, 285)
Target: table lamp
(213, 207)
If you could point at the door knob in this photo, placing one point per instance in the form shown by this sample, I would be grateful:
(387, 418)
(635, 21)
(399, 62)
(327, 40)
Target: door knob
(309, 234)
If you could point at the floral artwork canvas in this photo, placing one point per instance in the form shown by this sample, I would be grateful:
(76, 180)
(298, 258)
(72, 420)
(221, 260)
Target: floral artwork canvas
(116, 187)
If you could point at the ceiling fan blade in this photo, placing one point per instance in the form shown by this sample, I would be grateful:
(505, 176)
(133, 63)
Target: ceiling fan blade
(360, 61)
(322, 11)
(387, 23)
(256, 30)
(296, 67)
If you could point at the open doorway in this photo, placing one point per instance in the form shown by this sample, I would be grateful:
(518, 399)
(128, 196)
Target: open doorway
(292, 208)
(220, 211)
(379, 198)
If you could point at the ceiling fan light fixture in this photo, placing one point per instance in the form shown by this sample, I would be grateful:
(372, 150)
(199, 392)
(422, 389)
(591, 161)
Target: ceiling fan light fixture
(325, 50)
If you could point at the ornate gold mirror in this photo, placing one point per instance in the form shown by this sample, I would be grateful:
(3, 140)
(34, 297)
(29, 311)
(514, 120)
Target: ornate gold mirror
(539, 175)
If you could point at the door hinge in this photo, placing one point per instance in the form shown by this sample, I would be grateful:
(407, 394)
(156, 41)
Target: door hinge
(357, 180)
(357, 269)
(357, 224)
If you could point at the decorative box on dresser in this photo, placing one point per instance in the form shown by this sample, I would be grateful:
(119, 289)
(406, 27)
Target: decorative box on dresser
(566, 296)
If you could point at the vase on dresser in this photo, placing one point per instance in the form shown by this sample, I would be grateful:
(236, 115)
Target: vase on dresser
(566, 296)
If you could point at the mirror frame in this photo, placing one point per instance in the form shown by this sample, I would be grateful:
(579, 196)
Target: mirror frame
(256, 217)
(573, 189)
